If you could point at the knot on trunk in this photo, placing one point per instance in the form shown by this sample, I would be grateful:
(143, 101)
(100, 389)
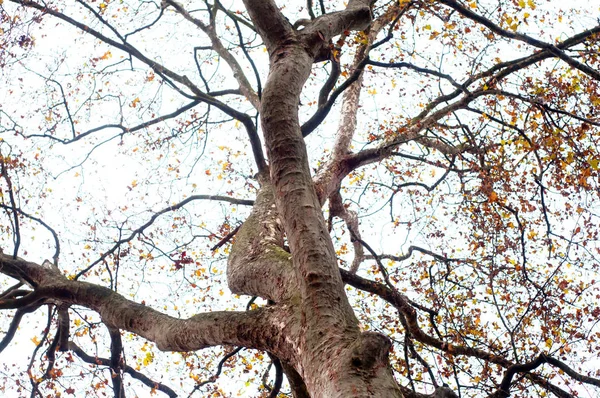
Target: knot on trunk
(444, 392)
(371, 352)
(317, 45)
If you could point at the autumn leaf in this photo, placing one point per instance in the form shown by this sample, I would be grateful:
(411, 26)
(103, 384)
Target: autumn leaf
(106, 55)
(148, 359)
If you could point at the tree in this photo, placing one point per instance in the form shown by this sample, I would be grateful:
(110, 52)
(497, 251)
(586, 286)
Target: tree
(465, 147)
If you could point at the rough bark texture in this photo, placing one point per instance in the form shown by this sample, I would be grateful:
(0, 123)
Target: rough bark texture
(329, 352)
(258, 265)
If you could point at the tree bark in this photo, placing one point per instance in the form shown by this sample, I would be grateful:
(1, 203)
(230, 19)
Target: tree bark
(329, 351)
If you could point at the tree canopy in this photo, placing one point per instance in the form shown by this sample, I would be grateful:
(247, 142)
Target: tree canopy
(304, 198)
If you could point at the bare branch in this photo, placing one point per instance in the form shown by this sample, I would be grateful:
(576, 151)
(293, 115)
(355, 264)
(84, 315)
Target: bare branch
(504, 389)
(174, 207)
(554, 50)
(217, 46)
(14, 325)
(169, 334)
(168, 75)
(116, 362)
(127, 369)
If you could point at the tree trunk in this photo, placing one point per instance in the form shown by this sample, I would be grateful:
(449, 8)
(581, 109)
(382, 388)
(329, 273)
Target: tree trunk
(327, 347)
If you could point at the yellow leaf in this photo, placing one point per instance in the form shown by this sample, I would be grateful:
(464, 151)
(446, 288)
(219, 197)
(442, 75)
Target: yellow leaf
(135, 102)
(522, 3)
(148, 359)
(35, 340)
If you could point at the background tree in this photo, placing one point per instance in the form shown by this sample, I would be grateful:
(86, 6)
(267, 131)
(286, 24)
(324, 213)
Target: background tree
(422, 219)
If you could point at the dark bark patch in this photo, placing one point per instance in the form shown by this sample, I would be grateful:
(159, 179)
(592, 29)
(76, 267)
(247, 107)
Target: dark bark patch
(371, 352)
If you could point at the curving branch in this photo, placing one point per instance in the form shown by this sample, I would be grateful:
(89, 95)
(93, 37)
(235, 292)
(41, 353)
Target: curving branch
(553, 49)
(321, 113)
(14, 325)
(504, 389)
(327, 180)
(405, 308)
(337, 209)
(159, 213)
(216, 375)
(127, 369)
(258, 265)
(116, 362)
(124, 129)
(56, 254)
(410, 252)
(167, 75)
(13, 206)
(418, 69)
(169, 333)
(278, 377)
(217, 46)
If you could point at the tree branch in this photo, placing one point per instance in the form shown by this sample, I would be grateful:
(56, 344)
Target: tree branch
(217, 46)
(159, 213)
(556, 51)
(253, 329)
(127, 369)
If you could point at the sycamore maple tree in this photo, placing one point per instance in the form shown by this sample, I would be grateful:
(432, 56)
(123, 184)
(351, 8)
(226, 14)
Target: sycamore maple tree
(321, 198)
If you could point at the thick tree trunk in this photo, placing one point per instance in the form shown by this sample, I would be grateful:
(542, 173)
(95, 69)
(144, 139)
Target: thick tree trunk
(326, 346)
